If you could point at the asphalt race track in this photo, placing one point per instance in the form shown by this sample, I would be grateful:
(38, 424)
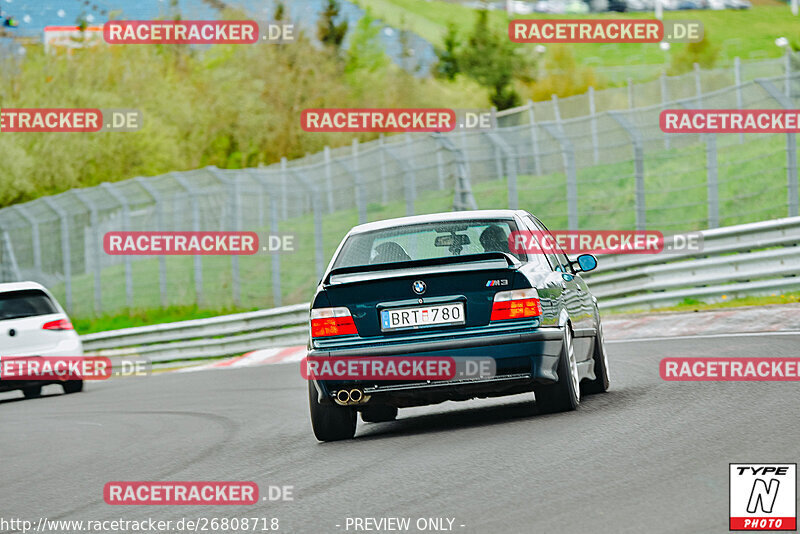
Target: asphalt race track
(648, 456)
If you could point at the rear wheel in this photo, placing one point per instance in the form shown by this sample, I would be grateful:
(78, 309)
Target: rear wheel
(73, 386)
(330, 422)
(378, 413)
(32, 392)
(564, 395)
(600, 383)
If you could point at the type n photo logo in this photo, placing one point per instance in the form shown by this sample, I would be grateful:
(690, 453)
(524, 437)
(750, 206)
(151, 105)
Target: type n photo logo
(763, 497)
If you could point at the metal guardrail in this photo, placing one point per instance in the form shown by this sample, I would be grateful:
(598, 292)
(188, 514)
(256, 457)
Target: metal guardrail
(735, 261)
(226, 335)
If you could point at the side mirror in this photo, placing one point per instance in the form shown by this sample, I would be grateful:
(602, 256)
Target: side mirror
(587, 262)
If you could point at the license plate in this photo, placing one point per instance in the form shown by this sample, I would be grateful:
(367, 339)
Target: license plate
(420, 316)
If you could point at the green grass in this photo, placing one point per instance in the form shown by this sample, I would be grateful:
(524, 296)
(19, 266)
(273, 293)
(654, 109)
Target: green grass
(698, 305)
(749, 34)
(144, 317)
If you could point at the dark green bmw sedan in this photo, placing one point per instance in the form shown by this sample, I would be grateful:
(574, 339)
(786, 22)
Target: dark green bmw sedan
(449, 287)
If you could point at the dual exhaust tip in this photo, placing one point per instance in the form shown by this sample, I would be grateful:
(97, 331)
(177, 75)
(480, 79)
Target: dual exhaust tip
(346, 397)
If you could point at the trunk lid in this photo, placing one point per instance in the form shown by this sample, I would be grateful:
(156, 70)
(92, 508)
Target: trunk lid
(470, 280)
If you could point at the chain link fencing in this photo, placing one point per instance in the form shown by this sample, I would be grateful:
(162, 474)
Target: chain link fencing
(609, 169)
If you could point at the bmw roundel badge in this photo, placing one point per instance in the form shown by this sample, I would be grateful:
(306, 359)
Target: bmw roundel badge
(418, 287)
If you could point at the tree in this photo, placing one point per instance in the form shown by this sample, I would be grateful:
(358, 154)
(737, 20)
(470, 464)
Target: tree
(365, 51)
(491, 59)
(329, 31)
(447, 66)
(704, 53)
(280, 11)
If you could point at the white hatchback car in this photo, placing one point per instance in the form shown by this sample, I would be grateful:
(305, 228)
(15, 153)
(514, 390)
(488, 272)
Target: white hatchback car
(33, 324)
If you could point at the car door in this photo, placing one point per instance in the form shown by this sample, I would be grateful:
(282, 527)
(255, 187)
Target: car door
(560, 277)
(576, 296)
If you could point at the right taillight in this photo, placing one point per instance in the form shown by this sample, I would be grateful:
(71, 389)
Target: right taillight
(326, 322)
(516, 304)
(59, 324)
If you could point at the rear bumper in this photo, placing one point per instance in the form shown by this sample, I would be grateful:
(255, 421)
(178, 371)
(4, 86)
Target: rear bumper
(522, 359)
(11, 385)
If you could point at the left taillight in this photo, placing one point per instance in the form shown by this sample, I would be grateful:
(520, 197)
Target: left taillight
(327, 322)
(516, 304)
(60, 324)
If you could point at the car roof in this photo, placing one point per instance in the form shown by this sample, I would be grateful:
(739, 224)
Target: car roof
(20, 286)
(436, 217)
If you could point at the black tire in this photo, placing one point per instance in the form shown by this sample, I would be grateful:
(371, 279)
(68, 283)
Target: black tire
(73, 386)
(600, 383)
(378, 413)
(330, 422)
(564, 395)
(32, 392)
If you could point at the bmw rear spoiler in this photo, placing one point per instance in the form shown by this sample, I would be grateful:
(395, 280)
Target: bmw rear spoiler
(486, 260)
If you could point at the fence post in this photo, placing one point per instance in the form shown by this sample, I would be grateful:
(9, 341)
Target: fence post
(568, 154)
(162, 259)
(358, 186)
(498, 162)
(329, 178)
(316, 207)
(631, 103)
(463, 198)
(593, 113)
(198, 260)
(412, 176)
(97, 240)
(408, 179)
(791, 169)
(235, 221)
(537, 165)
(712, 181)
(638, 168)
(787, 75)
(35, 241)
(284, 192)
(698, 86)
(664, 100)
(463, 137)
(276, 258)
(500, 145)
(737, 78)
(556, 111)
(5, 244)
(126, 224)
(65, 249)
(791, 148)
(440, 168)
(382, 157)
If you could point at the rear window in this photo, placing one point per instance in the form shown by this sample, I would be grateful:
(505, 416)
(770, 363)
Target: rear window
(426, 241)
(25, 303)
